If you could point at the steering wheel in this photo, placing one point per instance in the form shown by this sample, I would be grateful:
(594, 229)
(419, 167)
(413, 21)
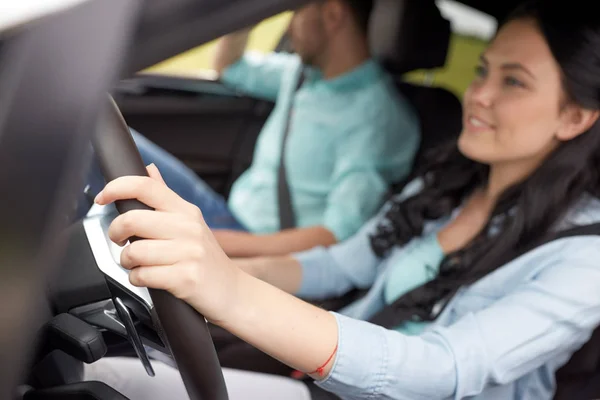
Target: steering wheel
(181, 327)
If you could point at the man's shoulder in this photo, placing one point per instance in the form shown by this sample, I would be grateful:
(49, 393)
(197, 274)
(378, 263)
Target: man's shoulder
(258, 58)
(382, 98)
(382, 105)
(291, 59)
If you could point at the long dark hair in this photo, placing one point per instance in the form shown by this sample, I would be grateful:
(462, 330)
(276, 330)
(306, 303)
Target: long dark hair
(537, 202)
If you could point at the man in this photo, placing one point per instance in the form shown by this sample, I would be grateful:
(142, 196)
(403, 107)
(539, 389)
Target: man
(350, 135)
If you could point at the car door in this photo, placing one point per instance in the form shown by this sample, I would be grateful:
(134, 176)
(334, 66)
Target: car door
(206, 125)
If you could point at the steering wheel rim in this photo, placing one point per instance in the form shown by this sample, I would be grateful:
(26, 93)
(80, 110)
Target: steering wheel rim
(181, 327)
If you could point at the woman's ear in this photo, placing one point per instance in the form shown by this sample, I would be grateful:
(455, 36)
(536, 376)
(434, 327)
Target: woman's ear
(575, 121)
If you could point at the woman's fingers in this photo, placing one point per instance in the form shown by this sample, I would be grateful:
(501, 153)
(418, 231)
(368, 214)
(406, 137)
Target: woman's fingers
(154, 277)
(182, 279)
(151, 252)
(149, 191)
(149, 224)
(154, 173)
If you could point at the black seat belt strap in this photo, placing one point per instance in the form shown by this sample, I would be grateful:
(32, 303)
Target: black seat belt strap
(287, 217)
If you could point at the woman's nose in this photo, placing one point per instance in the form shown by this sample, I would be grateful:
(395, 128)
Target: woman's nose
(482, 93)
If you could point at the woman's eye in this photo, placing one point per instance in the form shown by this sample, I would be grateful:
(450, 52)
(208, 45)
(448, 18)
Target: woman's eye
(480, 71)
(510, 81)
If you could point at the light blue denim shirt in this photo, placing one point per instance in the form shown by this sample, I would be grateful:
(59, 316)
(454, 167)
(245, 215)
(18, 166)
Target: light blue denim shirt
(501, 338)
(349, 138)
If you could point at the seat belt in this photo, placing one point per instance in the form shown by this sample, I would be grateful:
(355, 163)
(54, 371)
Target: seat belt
(396, 313)
(287, 217)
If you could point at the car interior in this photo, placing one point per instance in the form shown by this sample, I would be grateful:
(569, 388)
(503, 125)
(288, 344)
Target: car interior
(77, 303)
(213, 129)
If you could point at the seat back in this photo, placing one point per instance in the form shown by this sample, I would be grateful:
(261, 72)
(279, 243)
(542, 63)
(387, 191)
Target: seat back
(440, 117)
(580, 377)
(405, 35)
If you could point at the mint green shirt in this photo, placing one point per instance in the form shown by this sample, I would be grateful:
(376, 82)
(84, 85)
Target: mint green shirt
(349, 138)
(418, 264)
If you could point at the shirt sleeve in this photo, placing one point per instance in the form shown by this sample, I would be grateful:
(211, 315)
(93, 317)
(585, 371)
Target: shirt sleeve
(538, 322)
(369, 156)
(333, 271)
(259, 75)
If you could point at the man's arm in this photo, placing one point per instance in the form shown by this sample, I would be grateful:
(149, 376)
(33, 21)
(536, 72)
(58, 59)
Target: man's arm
(253, 73)
(284, 272)
(244, 244)
(230, 49)
(322, 273)
(364, 152)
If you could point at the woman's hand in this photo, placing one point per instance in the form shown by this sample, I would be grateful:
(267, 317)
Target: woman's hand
(177, 251)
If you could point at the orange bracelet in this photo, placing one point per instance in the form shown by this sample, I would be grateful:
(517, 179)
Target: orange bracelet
(322, 367)
(301, 375)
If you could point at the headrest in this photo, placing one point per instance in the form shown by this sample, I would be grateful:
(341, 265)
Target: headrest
(440, 117)
(406, 35)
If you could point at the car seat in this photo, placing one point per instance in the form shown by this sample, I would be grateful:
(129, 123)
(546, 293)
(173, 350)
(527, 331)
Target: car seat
(410, 35)
(407, 35)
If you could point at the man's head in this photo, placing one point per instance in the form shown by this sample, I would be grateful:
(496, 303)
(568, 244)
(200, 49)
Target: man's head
(323, 24)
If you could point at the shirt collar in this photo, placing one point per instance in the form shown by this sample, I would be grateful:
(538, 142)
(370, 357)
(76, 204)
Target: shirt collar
(365, 74)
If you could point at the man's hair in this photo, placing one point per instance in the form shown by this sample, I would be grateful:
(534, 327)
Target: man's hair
(361, 10)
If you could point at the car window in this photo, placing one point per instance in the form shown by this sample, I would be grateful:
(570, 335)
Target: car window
(265, 37)
(472, 30)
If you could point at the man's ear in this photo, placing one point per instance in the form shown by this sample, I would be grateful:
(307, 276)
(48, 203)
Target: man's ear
(575, 121)
(334, 14)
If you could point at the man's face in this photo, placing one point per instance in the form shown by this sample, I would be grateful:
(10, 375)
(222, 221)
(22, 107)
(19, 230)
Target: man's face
(308, 33)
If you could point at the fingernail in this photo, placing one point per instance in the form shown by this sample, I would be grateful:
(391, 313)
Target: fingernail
(98, 198)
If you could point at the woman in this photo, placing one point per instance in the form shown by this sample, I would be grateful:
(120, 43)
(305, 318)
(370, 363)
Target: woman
(527, 164)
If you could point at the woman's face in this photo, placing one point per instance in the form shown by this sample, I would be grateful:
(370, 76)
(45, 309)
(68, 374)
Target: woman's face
(512, 110)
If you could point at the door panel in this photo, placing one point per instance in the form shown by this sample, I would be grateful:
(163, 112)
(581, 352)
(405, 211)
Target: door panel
(209, 127)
